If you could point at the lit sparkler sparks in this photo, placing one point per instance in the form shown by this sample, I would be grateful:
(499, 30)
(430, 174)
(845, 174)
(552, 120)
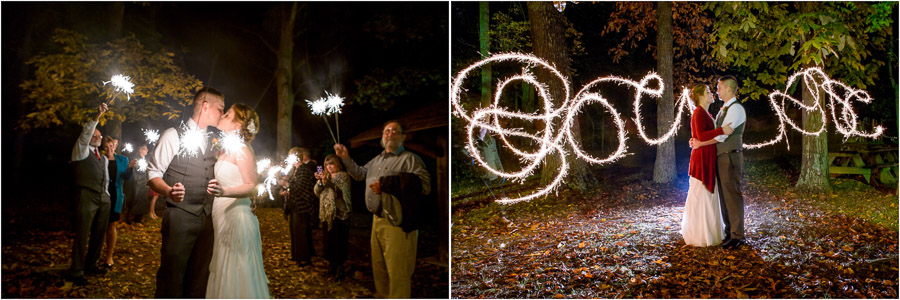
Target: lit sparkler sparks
(262, 164)
(152, 135)
(261, 189)
(127, 148)
(289, 162)
(550, 140)
(122, 83)
(335, 103)
(232, 143)
(318, 107)
(142, 165)
(191, 141)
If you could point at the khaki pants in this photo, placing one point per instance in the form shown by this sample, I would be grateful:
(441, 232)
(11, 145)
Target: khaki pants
(393, 258)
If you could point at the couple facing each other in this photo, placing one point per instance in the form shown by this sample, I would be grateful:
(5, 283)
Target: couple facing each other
(211, 243)
(714, 197)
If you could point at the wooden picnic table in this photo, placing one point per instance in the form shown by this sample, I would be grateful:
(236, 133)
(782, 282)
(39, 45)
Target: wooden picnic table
(866, 160)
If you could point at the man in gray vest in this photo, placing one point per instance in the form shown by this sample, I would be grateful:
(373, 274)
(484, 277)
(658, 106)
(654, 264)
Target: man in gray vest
(730, 163)
(187, 232)
(91, 200)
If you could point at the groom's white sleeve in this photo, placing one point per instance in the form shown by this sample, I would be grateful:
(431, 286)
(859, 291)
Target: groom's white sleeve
(736, 116)
(162, 156)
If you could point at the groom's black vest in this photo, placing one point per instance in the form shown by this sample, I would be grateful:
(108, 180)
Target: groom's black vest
(194, 172)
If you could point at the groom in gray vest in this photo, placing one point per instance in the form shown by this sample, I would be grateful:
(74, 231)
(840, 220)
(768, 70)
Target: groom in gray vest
(731, 162)
(187, 232)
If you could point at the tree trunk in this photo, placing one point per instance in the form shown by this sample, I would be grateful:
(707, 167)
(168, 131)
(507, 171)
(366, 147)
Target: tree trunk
(484, 41)
(814, 173)
(664, 168)
(549, 42)
(284, 76)
(113, 126)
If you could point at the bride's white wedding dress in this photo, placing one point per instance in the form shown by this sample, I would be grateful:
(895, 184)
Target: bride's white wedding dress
(236, 269)
(702, 222)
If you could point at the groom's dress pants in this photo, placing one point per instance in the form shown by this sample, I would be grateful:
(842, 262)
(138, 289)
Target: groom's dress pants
(730, 168)
(187, 246)
(91, 218)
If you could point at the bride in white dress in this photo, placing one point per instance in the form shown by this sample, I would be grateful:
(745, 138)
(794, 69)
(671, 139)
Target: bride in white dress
(236, 269)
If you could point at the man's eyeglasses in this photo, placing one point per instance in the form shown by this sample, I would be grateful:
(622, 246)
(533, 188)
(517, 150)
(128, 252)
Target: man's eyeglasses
(97, 136)
(391, 130)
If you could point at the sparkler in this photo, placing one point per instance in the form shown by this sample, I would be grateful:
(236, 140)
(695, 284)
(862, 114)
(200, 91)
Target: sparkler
(262, 164)
(232, 143)
(320, 107)
(289, 162)
(550, 140)
(142, 165)
(335, 103)
(127, 148)
(121, 83)
(152, 135)
(190, 141)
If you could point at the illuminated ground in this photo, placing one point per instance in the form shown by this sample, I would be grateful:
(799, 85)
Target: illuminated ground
(622, 240)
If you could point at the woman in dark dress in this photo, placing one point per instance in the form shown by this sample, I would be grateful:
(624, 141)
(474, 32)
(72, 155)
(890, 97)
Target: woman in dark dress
(119, 171)
(333, 190)
(139, 195)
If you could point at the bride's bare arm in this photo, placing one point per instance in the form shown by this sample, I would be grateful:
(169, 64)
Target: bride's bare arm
(247, 167)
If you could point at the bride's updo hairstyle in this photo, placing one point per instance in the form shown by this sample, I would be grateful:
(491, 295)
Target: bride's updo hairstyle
(697, 93)
(248, 119)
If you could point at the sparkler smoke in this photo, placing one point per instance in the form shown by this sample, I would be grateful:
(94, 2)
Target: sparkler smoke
(142, 165)
(262, 164)
(232, 143)
(121, 83)
(127, 148)
(551, 139)
(152, 135)
(190, 141)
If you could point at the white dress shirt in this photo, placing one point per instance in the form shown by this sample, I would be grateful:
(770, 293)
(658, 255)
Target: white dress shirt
(735, 115)
(166, 149)
(83, 148)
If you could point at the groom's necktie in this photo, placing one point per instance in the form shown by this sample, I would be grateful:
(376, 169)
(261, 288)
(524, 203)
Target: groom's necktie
(97, 153)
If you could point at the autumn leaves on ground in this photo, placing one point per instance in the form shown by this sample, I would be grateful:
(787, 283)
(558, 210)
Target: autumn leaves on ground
(36, 255)
(622, 240)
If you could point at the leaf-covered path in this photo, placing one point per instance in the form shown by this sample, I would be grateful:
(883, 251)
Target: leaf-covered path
(622, 240)
(35, 261)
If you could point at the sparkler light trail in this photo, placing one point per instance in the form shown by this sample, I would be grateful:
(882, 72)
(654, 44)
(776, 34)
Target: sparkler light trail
(152, 135)
(271, 180)
(127, 148)
(142, 165)
(262, 164)
(121, 83)
(816, 79)
(558, 121)
(190, 141)
(232, 143)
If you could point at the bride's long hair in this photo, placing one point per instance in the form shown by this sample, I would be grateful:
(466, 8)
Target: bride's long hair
(248, 119)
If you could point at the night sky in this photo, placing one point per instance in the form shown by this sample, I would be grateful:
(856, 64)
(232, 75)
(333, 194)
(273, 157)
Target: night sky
(221, 45)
